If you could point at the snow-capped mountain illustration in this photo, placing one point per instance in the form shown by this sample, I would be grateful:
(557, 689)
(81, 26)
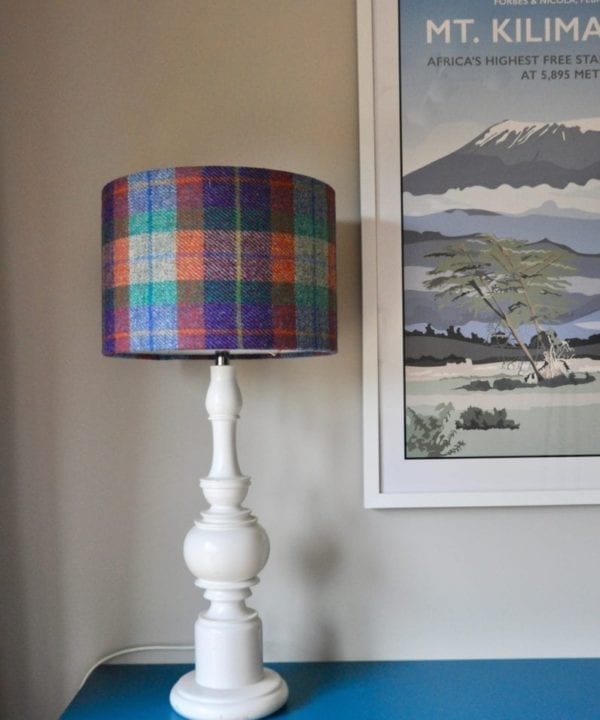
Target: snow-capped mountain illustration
(516, 154)
(538, 183)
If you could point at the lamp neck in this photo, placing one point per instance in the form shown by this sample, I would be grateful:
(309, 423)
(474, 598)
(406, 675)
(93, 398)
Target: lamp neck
(223, 403)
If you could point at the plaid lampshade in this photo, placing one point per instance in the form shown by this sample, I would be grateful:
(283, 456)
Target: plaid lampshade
(197, 260)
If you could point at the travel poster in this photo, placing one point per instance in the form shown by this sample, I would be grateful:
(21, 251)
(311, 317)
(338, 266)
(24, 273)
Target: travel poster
(500, 165)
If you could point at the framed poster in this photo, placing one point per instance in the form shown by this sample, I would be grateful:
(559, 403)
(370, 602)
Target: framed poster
(480, 202)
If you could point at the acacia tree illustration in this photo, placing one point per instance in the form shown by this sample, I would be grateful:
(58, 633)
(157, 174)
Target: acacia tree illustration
(517, 284)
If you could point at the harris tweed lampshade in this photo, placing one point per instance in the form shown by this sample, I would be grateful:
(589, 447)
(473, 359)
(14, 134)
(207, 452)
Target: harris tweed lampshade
(198, 260)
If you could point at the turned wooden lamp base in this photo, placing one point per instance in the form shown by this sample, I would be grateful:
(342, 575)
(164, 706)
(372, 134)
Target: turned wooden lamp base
(225, 551)
(251, 701)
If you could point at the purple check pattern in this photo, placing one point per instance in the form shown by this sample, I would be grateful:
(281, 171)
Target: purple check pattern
(204, 259)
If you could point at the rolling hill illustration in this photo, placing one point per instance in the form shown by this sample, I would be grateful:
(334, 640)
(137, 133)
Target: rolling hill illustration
(531, 181)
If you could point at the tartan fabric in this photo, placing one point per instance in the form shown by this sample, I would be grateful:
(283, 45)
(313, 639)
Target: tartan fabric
(201, 259)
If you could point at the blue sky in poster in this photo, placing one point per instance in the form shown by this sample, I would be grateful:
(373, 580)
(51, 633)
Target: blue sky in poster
(461, 81)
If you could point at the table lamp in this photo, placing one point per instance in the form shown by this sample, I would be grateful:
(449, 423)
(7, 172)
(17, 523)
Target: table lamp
(221, 262)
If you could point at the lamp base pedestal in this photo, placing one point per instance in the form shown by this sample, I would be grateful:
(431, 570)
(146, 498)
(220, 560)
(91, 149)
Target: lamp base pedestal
(225, 550)
(246, 703)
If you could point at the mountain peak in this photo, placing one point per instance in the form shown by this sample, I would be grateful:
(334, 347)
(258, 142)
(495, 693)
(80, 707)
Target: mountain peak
(516, 153)
(516, 132)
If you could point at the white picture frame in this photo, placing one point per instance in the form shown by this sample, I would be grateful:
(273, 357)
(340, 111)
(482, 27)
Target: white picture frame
(550, 480)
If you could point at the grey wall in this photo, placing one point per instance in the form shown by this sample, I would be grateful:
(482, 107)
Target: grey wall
(100, 457)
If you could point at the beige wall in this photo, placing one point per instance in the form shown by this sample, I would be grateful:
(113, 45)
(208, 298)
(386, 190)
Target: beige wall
(100, 457)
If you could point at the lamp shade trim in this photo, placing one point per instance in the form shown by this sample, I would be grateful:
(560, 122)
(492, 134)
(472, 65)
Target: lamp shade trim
(201, 259)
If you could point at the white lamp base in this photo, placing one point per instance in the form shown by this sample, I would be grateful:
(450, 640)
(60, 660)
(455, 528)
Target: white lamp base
(225, 550)
(246, 703)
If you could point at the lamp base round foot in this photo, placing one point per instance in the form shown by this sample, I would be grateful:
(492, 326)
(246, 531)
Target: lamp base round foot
(196, 702)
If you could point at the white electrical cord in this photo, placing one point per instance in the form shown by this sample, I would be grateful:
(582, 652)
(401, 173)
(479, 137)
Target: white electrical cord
(130, 651)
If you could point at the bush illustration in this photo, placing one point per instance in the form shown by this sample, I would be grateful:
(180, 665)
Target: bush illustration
(475, 418)
(430, 435)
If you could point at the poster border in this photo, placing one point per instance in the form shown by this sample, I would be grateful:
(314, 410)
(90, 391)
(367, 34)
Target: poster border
(374, 77)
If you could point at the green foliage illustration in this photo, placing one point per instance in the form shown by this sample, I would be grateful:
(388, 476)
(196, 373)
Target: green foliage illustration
(475, 418)
(431, 435)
